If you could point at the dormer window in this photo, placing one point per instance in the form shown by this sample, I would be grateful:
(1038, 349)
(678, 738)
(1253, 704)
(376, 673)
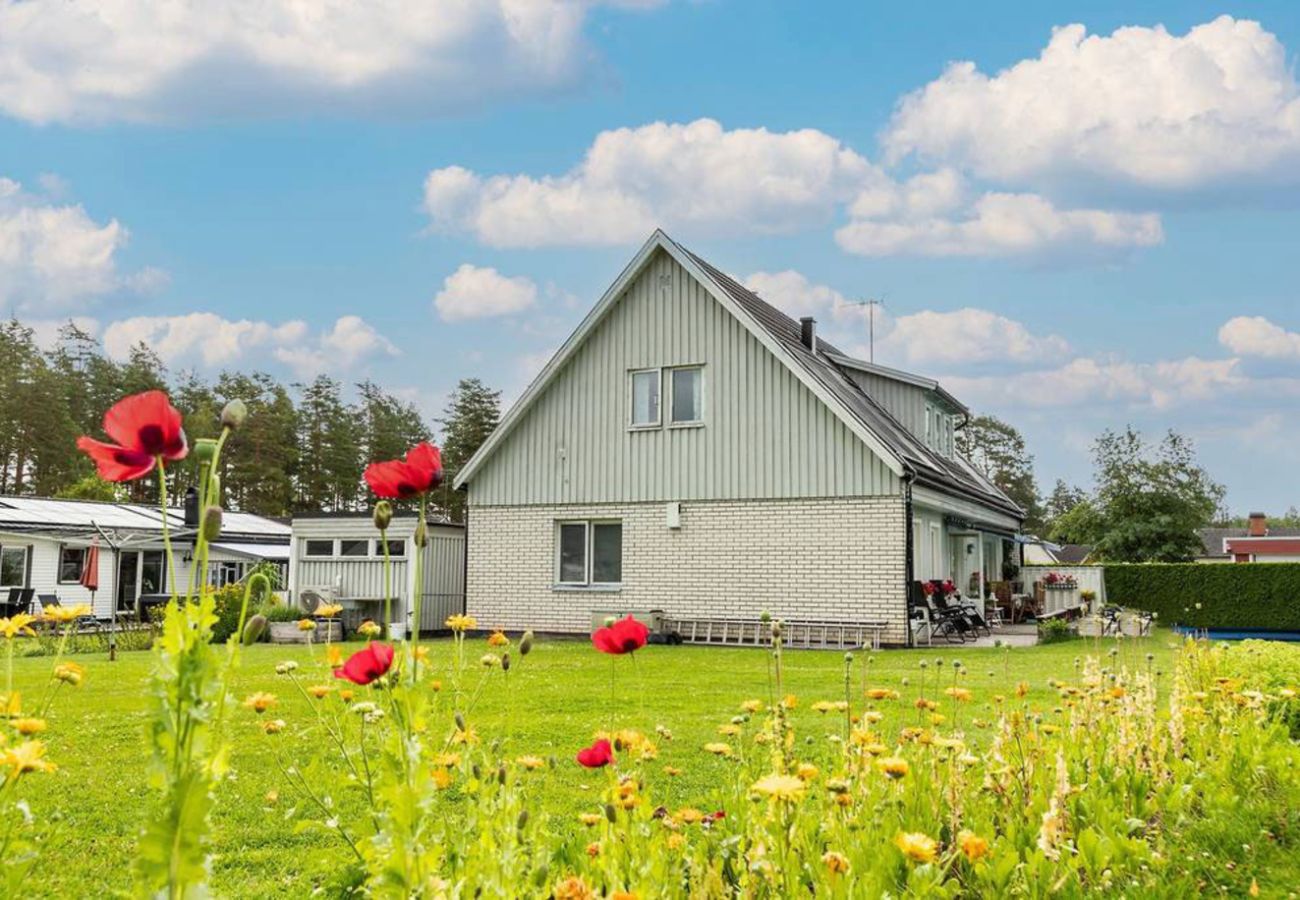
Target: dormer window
(939, 430)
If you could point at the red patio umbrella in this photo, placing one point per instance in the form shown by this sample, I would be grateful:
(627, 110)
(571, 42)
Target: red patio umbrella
(90, 581)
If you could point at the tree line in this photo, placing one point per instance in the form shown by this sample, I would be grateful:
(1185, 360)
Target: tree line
(303, 448)
(1147, 502)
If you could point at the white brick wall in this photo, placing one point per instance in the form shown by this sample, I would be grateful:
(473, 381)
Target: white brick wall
(836, 558)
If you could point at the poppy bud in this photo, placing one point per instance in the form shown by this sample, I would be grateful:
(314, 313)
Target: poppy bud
(505, 662)
(205, 449)
(421, 535)
(460, 722)
(476, 771)
(501, 775)
(522, 820)
(526, 643)
(383, 514)
(610, 812)
(253, 629)
(211, 523)
(233, 414)
(765, 617)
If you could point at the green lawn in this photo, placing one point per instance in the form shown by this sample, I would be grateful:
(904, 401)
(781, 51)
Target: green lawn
(560, 695)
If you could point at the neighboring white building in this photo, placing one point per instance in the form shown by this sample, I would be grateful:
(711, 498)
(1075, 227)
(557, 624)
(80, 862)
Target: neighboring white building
(339, 558)
(43, 545)
(692, 449)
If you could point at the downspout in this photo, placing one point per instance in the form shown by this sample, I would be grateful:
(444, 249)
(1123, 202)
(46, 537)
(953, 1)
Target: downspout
(908, 570)
(464, 559)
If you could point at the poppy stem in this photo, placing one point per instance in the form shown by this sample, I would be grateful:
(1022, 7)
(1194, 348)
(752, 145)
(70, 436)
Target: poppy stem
(388, 581)
(166, 528)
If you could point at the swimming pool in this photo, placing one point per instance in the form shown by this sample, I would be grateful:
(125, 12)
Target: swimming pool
(1241, 634)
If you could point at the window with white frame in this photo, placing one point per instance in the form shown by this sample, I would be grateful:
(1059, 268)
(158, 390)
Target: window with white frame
(687, 389)
(71, 562)
(354, 547)
(589, 553)
(13, 567)
(318, 547)
(645, 398)
(395, 548)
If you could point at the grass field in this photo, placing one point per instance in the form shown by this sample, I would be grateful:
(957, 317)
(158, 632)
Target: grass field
(95, 801)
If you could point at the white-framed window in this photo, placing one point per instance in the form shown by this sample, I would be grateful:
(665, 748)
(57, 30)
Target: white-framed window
(224, 572)
(644, 388)
(71, 562)
(686, 391)
(318, 547)
(354, 547)
(589, 553)
(13, 567)
(395, 547)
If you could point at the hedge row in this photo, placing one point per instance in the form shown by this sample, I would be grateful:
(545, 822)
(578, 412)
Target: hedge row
(1210, 595)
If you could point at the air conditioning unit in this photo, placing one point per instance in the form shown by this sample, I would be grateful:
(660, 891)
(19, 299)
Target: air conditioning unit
(311, 598)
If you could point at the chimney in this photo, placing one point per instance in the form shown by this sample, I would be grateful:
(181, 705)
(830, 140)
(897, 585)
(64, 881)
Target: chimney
(808, 332)
(191, 508)
(1258, 525)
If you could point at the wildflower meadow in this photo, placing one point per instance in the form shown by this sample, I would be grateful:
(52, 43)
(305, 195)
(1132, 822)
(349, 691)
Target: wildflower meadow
(504, 765)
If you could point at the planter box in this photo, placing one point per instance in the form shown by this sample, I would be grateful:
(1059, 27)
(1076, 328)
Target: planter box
(288, 633)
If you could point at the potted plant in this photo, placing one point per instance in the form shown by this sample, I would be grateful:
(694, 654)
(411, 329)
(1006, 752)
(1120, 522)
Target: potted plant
(284, 621)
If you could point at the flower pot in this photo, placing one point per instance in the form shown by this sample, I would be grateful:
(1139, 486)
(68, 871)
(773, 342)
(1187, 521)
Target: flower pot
(287, 633)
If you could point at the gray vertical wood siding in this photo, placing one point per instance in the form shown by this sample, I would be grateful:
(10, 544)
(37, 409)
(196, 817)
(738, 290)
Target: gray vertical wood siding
(765, 434)
(905, 402)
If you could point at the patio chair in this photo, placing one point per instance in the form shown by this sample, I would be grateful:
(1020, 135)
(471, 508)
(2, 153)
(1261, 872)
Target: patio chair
(973, 614)
(947, 621)
(25, 600)
(12, 606)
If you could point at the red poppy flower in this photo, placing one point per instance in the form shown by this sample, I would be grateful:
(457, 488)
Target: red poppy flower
(367, 664)
(623, 636)
(597, 755)
(145, 427)
(400, 479)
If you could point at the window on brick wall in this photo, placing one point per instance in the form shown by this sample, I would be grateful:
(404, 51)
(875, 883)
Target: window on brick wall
(589, 553)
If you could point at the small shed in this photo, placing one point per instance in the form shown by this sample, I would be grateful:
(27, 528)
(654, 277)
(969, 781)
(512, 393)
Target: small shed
(339, 557)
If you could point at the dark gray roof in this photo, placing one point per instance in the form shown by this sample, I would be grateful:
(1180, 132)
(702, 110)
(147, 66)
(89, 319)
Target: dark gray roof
(1212, 538)
(953, 476)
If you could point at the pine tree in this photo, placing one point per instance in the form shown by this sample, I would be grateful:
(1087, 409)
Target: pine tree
(472, 414)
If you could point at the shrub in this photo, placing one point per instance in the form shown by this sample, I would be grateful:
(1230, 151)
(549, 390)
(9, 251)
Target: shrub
(1228, 595)
(282, 612)
(1053, 631)
(1271, 666)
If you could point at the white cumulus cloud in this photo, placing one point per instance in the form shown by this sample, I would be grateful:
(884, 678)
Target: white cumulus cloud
(164, 60)
(207, 339)
(1139, 106)
(54, 256)
(1257, 336)
(698, 177)
(474, 292)
(967, 336)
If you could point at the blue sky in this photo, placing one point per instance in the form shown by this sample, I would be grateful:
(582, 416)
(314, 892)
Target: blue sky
(1072, 232)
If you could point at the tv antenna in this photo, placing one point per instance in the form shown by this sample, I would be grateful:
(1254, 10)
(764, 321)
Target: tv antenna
(871, 305)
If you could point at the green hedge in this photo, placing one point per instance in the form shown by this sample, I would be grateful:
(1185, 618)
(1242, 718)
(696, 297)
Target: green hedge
(1210, 595)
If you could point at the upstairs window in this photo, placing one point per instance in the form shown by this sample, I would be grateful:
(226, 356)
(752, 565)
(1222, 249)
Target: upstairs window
(645, 398)
(687, 383)
(318, 548)
(354, 547)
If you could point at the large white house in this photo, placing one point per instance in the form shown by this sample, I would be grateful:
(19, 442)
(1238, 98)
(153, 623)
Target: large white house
(43, 544)
(692, 449)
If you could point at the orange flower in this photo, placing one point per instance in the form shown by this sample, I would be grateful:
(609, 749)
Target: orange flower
(972, 845)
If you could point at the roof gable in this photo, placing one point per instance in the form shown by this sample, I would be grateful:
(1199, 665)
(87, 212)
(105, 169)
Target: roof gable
(763, 322)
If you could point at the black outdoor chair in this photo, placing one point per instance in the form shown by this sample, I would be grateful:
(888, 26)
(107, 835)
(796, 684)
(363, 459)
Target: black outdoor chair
(973, 614)
(13, 605)
(948, 622)
(25, 600)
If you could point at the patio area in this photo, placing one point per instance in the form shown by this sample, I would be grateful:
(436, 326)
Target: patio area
(1022, 634)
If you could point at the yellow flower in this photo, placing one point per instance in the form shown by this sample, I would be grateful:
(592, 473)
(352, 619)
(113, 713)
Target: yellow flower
(623, 895)
(593, 849)
(875, 749)
(489, 660)
(28, 727)
(69, 672)
(591, 820)
(461, 624)
(836, 863)
(784, 788)
(843, 799)
(531, 762)
(718, 749)
(320, 690)
(329, 610)
(790, 701)
(260, 702)
(960, 694)
(347, 694)
(1022, 689)
(893, 766)
(441, 778)
(672, 771)
(273, 726)
(271, 798)
(572, 888)
(825, 706)
(676, 841)
(873, 716)
(369, 629)
(498, 639)
(28, 756)
(64, 615)
(306, 624)
(447, 760)
(334, 656)
(729, 730)
(880, 693)
(465, 736)
(435, 685)
(12, 627)
(972, 845)
(917, 847)
(752, 706)
(806, 771)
